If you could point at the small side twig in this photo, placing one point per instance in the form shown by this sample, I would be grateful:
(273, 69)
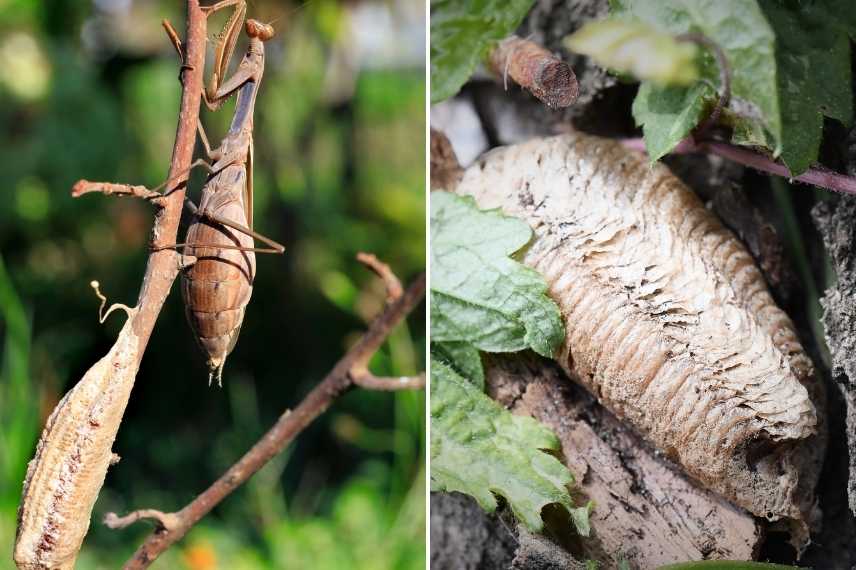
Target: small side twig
(163, 521)
(817, 175)
(82, 187)
(369, 381)
(173, 526)
(382, 270)
(533, 67)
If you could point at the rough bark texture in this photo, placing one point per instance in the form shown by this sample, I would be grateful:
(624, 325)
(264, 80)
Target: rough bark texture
(446, 172)
(647, 512)
(464, 537)
(670, 324)
(837, 223)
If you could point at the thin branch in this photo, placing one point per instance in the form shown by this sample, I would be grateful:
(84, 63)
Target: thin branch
(162, 269)
(816, 175)
(163, 520)
(382, 270)
(289, 425)
(533, 67)
(82, 187)
(369, 381)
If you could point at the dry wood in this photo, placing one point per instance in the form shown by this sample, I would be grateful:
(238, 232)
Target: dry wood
(68, 470)
(534, 68)
(646, 511)
(670, 323)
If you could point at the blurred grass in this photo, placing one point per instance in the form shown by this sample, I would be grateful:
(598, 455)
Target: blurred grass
(92, 93)
(18, 410)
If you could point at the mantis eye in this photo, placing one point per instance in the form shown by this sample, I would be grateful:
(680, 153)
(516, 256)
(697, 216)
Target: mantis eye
(256, 29)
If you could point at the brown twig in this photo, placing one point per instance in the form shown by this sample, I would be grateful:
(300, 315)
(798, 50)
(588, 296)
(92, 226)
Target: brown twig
(290, 424)
(161, 269)
(533, 67)
(388, 383)
(82, 187)
(817, 175)
(382, 270)
(163, 520)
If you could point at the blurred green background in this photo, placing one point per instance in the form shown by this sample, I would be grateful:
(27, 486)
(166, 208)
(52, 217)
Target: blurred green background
(89, 89)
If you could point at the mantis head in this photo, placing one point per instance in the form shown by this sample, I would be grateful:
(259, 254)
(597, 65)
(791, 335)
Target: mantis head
(256, 29)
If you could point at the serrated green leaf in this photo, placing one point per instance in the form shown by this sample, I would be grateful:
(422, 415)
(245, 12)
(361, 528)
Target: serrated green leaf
(741, 30)
(629, 46)
(813, 59)
(668, 114)
(462, 32)
(481, 449)
(463, 358)
(480, 295)
(790, 64)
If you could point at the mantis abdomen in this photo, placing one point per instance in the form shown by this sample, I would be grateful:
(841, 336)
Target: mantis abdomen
(217, 288)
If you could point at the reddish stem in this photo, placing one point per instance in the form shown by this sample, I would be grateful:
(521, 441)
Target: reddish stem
(816, 175)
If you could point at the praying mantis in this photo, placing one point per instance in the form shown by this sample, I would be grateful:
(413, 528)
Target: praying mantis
(217, 286)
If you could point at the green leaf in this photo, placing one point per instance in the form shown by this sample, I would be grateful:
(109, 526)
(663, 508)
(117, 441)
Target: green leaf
(480, 295)
(462, 32)
(463, 357)
(813, 59)
(668, 114)
(19, 413)
(480, 448)
(741, 30)
(790, 64)
(634, 47)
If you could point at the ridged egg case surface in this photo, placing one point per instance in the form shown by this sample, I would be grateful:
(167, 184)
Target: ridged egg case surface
(669, 321)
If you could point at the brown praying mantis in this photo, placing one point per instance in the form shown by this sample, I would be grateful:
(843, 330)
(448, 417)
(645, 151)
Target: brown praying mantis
(217, 286)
